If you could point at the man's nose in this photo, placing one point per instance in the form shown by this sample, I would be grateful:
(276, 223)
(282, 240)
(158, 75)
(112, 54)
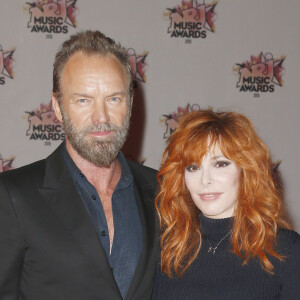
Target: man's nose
(100, 112)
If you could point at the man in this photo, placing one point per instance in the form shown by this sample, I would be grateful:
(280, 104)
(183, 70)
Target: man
(81, 224)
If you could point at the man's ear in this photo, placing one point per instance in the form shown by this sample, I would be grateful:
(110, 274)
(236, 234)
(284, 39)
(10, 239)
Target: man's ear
(130, 107)
(131, 101)
(56, 107)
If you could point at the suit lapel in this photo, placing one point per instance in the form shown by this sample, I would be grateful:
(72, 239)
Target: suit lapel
(61, 194)
(144, 193)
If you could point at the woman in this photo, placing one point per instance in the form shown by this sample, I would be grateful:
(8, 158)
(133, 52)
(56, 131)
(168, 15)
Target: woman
(224, 235)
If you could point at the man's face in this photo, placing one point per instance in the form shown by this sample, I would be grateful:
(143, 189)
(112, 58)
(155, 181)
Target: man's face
(95, 107)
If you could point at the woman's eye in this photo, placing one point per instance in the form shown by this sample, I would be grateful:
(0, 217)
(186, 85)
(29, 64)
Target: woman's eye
(192, 168)
(222, 164)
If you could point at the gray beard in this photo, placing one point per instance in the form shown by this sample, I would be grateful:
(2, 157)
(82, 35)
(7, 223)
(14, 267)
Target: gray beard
(100, 152)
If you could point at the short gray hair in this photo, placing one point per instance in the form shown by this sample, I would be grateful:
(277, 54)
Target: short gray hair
(89, 42)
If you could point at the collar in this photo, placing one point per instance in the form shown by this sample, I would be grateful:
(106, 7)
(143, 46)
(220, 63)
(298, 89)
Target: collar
(211, 226)
(126, 176)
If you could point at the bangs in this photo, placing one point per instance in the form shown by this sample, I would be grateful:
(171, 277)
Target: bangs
(200, 132)
(199, 143)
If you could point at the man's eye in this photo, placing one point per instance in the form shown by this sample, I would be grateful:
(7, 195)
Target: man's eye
(114, 100)
(83, 100)
(222, 164)
(192, 168)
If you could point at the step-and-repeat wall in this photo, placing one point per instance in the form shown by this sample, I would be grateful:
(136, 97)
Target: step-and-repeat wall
(185, 55)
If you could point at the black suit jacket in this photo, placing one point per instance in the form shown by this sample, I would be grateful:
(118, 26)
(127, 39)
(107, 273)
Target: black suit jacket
(49, 248)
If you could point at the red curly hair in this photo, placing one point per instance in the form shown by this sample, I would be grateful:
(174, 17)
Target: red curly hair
(259, 211)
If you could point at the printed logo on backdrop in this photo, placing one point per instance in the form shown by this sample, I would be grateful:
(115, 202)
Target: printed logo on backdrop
(192, 19)
(6, 65)
(52, 16)
(260, 74)
(43, 125)
(6, 163)
(138, 65)
(171, 120)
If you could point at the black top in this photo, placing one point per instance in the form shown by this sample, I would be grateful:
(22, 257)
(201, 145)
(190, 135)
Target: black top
(221, 275)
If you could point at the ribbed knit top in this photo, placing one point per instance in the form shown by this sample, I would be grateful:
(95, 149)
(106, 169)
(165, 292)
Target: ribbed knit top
(221, 275)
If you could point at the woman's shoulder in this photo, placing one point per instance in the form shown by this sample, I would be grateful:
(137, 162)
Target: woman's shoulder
(288, 234)
(288, 271)
(288, 241)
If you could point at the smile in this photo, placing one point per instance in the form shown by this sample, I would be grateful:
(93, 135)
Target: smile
(209, 196)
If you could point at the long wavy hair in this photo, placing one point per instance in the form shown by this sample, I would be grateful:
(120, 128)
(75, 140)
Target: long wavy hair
(259, 210)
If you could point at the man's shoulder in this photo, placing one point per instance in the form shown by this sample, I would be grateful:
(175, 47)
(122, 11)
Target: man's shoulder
(143, 175)
(30, 172)
(33, 172)
(141, 169)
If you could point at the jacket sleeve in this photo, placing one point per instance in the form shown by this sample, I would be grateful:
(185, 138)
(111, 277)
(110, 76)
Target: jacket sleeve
(11, 247)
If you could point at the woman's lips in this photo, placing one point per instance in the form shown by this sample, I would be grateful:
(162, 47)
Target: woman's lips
(209, 196)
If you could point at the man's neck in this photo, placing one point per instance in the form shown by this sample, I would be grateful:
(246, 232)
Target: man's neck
(104, 181)
(107, 178)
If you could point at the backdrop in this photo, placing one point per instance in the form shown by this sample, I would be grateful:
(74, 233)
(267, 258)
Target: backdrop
(185, 55)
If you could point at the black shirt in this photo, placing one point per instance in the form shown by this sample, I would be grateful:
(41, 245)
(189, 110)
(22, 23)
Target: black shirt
(128, 237)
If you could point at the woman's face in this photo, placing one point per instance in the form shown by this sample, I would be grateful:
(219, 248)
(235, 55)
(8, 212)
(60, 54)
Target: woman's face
(213, 185)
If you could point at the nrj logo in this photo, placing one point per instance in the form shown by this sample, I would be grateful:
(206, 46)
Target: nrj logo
(191, 19)
(6, 163)
(171, 120)
(52, 16)
(6, 62)
(138, 64)
(43, 125)
(260, 74)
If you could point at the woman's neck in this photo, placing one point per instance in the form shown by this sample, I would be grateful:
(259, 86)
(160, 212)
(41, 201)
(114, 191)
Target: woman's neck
(209, 226)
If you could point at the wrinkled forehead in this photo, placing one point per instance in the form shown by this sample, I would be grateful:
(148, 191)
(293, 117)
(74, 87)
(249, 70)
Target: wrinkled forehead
(83, 66)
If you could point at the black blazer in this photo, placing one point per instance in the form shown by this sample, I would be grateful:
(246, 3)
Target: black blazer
(49, 248)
